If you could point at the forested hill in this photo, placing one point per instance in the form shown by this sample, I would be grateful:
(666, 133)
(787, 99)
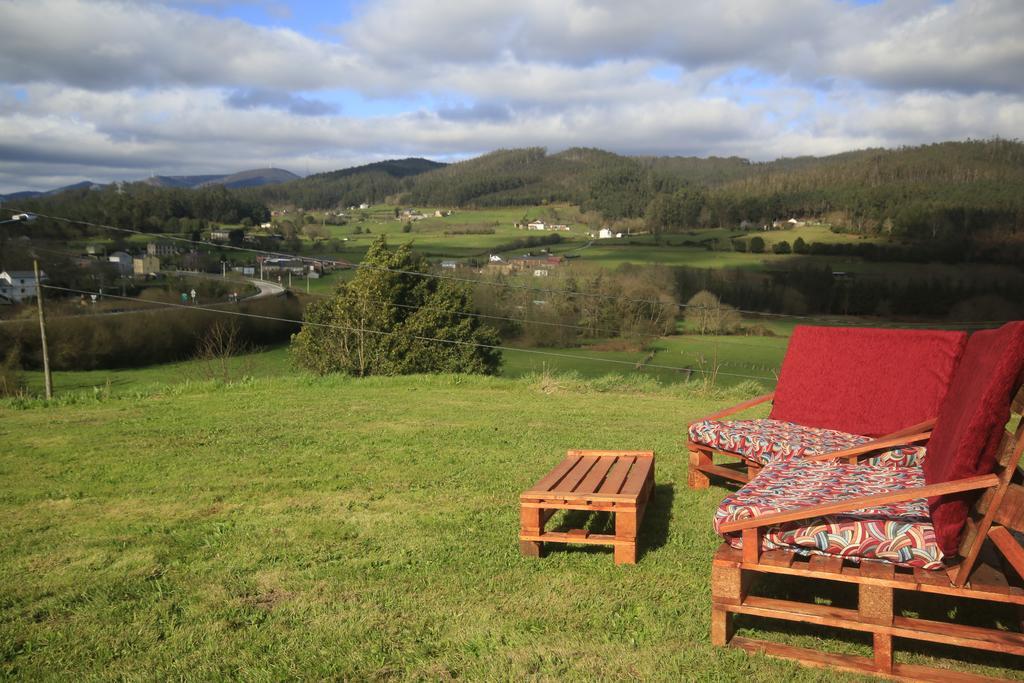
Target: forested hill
(370, 183)
(949, 187)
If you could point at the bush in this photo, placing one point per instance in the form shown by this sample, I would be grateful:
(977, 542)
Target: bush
(386, 321)
(756, 245)
(706, 314)
(781, 247)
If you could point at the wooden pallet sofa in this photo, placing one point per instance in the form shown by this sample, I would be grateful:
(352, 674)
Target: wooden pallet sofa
(944, 528)
(861, 393)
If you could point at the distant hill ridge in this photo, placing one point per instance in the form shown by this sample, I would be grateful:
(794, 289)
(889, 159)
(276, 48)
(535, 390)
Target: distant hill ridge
(256, 177)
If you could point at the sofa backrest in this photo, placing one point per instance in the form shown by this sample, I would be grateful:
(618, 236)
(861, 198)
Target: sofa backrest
(971, 422)
(865, 381)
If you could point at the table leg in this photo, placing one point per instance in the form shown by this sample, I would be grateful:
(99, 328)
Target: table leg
(531, 522)
(625, 530)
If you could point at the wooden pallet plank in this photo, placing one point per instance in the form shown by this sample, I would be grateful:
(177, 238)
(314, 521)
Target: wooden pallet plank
(616, 477)
(1011, 509)
(902, 627)
(877, 570)
(554, 476)
(853, 663)
(569, 537)
(1009, 547)
(777, 558)
(825, 563)
(592, 481)
(931, 577)
(637, 477)
(575, 475)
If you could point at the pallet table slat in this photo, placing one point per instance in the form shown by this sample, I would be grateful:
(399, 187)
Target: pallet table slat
(554, 476)
(637, 476)
(575, 475)
(616, 476)
(596, 475)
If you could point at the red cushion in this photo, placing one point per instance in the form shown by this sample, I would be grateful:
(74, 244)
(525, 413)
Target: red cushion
(864, 380)
(971, 422)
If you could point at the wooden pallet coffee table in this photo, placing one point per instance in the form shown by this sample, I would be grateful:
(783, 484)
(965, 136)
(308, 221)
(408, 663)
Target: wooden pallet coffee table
(610, 481)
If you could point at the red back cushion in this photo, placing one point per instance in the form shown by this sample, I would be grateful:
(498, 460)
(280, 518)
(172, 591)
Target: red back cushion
(863, 380)
(971, 422)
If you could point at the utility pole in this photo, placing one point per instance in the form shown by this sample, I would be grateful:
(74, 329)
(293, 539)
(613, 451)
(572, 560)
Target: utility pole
(223, 269)
(47, 377)
(289, 279)
(307, 283)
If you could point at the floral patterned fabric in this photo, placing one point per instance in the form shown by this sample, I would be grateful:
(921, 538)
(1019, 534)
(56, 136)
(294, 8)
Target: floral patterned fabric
(900, 533)
(764, 441)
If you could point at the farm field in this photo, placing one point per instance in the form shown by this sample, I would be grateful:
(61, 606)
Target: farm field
(299, 527)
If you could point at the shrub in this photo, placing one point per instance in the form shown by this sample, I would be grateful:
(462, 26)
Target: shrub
(706, 314)
(386, 319)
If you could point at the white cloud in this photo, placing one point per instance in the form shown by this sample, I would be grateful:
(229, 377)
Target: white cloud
(110, 89)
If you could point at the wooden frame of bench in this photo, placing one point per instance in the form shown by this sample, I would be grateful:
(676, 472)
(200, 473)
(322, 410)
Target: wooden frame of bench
(620, 482)
(702, 465)
(991, 569)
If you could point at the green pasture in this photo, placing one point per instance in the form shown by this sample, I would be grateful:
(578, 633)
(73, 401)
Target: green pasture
(333, 528)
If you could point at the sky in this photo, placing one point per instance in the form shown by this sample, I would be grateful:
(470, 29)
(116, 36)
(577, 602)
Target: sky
(111, 90)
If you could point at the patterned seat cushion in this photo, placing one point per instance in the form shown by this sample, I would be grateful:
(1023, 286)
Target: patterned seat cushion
(765, 440)
(900, 533)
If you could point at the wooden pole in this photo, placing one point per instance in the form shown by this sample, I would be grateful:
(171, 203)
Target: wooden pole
(47, 377)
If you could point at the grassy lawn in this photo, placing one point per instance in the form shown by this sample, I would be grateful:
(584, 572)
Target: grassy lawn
(354, 529)
(265, 363)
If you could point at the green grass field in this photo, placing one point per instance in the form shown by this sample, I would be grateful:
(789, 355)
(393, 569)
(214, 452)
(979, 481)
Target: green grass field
(331, 528)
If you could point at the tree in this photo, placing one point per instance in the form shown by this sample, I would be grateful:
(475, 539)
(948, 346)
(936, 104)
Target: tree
(708, 315)
(799, 246)
(236, 236)
(756, 245)
(781, 247)
(388, 320)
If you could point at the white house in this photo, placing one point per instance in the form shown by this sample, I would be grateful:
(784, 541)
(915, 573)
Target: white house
(494, 258)
(364, 205)
(536, 225)
(605, 234)
(450, 264)
(123, 260)
(17, 286)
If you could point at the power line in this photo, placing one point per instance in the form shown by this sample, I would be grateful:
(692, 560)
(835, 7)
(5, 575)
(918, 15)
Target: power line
(476, 281)
(454, 342)
(477, 315)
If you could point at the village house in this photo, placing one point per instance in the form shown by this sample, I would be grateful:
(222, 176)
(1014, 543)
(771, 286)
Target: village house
(284, 265)
(220, 235)
(536, 225)
(605, 234)
(144, 265)
(515, 264)
(449, 264)
(17, 286)
(161, 248)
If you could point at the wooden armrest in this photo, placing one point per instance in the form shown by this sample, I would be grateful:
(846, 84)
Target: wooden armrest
(877, 444)
(983, 481)
(925, 426)
(739, 407)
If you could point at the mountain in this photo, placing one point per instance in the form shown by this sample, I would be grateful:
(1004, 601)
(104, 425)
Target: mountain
(180, 181)
(257, 177)
(29, 194)
(368, 183)
(253, 178)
